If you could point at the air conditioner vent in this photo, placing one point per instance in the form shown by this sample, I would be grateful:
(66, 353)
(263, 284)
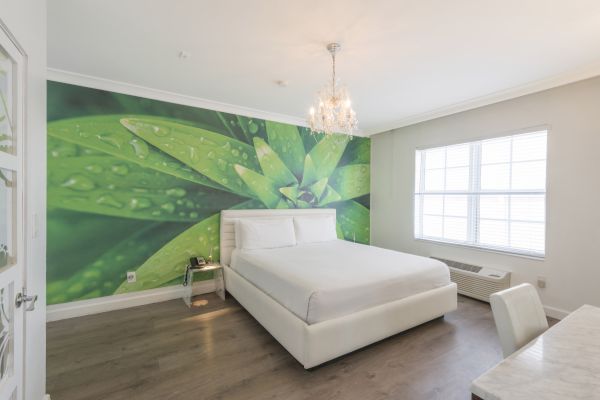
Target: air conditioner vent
(475, 281)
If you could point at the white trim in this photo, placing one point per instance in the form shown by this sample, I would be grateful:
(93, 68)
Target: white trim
(120, 301)
(93, 82)
(554, 312)
(488, 249)
(566, 78)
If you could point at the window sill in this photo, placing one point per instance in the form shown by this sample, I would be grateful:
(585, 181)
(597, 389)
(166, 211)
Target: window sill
(529, 256)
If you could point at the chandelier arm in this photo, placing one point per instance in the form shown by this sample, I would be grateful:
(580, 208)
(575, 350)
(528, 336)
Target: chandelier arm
(333, 74)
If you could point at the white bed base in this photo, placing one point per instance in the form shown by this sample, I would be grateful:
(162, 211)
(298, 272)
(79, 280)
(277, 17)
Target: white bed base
(315, 344)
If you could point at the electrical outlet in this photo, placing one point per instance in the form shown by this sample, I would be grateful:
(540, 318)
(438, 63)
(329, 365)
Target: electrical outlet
(541, 282)
(131, 277)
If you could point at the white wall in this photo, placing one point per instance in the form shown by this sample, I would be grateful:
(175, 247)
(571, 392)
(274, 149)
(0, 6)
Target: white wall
(26, 19)
(572, 263)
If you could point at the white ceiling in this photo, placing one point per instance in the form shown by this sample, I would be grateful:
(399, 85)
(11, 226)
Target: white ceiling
(401, 60)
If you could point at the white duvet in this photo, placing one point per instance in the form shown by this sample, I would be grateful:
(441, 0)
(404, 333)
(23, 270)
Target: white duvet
(322, 281)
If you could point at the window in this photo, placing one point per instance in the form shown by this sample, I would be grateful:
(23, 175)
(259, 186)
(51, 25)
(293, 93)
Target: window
(489, 194)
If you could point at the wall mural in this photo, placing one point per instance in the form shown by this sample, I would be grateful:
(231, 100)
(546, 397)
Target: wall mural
(137, 185)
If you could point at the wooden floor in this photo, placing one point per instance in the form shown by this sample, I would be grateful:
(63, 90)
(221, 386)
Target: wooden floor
(217, 350)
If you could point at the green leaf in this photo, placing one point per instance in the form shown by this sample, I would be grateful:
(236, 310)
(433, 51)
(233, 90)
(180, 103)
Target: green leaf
(318, 187)
(351, 181)
(109, 186)
(303, 204)
(285, 140)
(358, 151)
(354, 221)
(272, 166)
(282, 204)
(248, 205)
(338, 230)
(106, 273)
(169, 262)
(209, 153)
(67, 230)
(251, 127)
(310, 172)
(106, 134)
(327, 153)
(330, 196)
(291, 192)
(261, 186)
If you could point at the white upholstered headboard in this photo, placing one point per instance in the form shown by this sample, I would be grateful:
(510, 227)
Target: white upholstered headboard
(228, 218)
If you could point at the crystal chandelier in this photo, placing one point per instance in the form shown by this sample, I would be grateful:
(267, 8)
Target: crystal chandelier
(332, 112)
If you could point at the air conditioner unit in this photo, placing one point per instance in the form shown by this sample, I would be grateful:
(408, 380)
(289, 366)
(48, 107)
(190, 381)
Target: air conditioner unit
(475, 281)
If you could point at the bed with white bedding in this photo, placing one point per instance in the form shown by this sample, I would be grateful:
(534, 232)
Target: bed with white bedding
(324, 299)
(326, 280)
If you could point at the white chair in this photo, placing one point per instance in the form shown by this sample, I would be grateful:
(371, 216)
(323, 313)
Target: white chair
(519, 316)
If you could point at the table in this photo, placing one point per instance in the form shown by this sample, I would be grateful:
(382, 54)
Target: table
(562, 363)
(189, 280)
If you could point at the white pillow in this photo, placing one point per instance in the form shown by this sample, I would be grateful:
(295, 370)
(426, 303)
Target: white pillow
(312, 229)
(253, 234)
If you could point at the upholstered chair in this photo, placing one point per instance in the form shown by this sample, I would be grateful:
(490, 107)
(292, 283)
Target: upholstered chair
(519, 316)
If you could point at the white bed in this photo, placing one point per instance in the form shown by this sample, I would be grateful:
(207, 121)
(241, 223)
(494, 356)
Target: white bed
(323, 300)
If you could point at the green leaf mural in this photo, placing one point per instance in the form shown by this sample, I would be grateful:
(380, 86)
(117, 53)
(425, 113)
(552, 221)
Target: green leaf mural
(106, 134)
(209, 153)
(169, 262)
(145, 180)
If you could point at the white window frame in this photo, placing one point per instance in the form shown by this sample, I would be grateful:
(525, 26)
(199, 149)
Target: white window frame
(473, 207)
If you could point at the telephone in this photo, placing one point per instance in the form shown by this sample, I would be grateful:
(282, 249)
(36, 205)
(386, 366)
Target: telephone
(197, 262)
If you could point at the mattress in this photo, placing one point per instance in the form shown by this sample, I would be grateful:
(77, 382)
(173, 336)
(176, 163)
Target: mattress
(321, 281)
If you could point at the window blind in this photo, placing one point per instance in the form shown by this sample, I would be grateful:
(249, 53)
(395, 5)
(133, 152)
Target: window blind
(487, 193)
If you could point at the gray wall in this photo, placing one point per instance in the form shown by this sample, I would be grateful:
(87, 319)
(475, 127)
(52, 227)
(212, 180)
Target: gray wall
(572, 263)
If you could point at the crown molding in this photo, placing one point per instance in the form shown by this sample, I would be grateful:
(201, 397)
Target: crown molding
(58, 75)
(566, 78)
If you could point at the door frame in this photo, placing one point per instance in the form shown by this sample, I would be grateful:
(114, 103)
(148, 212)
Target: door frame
(19, 55)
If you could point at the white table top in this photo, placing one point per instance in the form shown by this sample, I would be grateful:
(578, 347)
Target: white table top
(563, 363)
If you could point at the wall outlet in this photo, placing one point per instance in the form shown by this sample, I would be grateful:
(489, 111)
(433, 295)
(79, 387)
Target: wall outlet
(131, 277)
(541, 282)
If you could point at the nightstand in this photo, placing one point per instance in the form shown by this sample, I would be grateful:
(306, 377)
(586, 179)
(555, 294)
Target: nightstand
(189, 280)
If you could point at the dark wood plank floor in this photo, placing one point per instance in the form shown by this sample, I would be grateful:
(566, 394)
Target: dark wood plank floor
(218, 351)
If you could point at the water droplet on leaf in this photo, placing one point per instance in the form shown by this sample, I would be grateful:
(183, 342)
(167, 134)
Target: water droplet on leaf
(176, 192)
(94, 168)
(168, 207)
(140, 148)
(79, 182)
(108, 200)
(111, 140)
(252, 127)
(120, 169)
(140, 203)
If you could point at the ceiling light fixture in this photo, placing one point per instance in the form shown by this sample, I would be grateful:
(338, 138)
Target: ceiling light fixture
(332, 112)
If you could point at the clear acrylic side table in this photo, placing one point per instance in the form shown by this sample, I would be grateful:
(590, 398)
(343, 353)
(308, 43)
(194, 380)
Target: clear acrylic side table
(189, 280)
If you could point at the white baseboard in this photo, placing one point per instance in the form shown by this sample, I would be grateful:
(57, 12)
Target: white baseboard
(80, 308)
(554, 312)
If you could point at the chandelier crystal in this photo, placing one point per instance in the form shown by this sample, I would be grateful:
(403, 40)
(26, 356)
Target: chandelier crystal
(332, 112)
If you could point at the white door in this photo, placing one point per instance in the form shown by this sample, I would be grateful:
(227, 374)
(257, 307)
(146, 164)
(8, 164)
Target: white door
(12, 246)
